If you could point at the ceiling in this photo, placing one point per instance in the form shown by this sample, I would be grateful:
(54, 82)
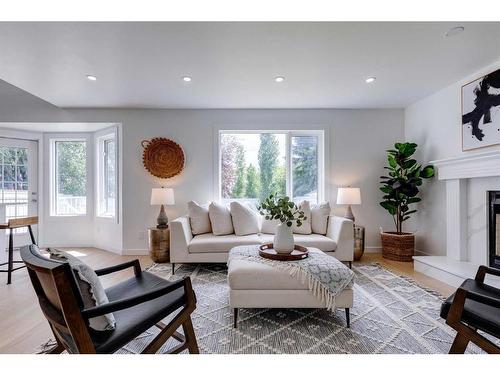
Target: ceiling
(233, 65)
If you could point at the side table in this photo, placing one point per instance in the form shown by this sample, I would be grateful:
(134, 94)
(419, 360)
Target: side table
(359, 241)
(159, 245)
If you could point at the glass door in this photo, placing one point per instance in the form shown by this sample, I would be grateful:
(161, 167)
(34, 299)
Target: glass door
(18, 182)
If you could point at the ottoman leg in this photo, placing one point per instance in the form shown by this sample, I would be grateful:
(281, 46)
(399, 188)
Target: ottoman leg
(173, 268)
(348, 317)
(235, 317)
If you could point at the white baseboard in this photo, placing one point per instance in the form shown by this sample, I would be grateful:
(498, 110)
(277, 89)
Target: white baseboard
(135, 252)
(373, 249)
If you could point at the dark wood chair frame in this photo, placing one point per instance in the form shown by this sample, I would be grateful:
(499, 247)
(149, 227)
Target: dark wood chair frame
(466, 333)
(11, 226)
(62, 305)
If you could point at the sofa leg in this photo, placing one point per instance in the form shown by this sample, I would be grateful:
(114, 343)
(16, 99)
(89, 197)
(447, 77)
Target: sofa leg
(350, 264)
(235, 317)
(173, 268)
(348, 317)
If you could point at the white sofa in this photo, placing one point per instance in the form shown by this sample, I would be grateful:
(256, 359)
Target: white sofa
(209, 248)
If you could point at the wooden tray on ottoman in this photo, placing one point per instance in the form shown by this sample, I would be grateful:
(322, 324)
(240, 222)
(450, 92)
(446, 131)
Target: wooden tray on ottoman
(267, 251)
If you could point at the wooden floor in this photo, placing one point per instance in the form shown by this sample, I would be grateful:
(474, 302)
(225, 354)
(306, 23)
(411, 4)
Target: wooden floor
(23, 327)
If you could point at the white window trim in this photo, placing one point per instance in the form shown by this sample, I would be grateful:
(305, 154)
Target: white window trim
(100, 138)
(320, 133)
(53, 174)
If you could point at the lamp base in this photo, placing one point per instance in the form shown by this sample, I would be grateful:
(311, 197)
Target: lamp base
(162, 219)
(348, 213)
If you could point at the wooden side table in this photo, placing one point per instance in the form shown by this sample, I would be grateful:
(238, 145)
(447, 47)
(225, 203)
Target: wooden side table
(159, 245)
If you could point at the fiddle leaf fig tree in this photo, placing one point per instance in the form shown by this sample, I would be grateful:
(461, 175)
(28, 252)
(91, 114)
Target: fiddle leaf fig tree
(282, 209)
(401, 185)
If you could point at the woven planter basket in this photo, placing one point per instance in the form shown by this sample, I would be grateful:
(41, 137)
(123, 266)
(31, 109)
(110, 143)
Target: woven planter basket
(163, 157)
(400, 247)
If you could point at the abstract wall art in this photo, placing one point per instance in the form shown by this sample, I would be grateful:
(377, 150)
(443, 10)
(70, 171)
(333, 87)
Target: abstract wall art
(481, 112)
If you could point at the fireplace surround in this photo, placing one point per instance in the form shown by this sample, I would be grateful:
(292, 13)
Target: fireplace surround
(494, 228)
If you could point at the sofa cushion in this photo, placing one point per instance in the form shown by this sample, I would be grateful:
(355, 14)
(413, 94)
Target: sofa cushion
(305, 228)
(198, 218)
(319, 217)
(245, 220)
(210, 243)
(220, 218)
(318, 241)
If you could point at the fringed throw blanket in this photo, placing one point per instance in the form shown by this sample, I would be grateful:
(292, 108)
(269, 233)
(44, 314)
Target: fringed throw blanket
(325, 276)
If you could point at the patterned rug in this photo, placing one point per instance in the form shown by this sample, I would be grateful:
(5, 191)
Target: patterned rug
(391, 314)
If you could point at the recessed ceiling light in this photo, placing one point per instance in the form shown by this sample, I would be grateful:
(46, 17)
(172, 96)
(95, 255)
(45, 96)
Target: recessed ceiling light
(186, 79)
(91, 77)
(370, 79)
(279, 79)
(454, 31)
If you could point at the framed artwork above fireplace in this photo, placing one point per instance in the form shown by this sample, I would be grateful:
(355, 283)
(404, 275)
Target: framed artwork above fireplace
(481, 112)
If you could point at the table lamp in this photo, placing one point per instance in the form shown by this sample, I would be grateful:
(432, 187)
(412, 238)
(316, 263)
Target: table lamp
(349, 196)
(161, 197)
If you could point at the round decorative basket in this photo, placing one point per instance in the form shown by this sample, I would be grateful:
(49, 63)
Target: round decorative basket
(163, 157)
(400, 247)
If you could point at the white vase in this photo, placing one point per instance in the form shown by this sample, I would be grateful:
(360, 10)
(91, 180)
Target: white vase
(283, 239)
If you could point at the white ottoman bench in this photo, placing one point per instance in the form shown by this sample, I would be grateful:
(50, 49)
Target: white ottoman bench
(258, 285)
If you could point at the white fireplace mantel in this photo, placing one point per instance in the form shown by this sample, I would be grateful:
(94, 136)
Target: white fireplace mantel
(454, 267)
(485, 164)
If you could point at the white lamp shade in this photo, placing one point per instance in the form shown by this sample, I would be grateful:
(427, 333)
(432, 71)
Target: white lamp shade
(161, 196)
(349, 196)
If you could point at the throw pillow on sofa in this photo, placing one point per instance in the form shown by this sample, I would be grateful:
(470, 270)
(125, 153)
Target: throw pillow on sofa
(198, 218)
(319, 217)
(305, 228)
(245, 220)
(269, 226)
(220, 218)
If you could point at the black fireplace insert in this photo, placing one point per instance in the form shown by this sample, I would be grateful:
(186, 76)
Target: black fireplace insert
(494, 228)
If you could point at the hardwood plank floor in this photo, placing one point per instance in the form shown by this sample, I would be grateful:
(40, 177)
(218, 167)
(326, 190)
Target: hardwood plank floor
(23, 328)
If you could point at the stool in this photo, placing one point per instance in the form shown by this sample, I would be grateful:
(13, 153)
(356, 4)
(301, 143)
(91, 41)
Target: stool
(11, 225)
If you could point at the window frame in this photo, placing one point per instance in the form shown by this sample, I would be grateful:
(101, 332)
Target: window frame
(289, 133)
(54, 174)
(101, 170)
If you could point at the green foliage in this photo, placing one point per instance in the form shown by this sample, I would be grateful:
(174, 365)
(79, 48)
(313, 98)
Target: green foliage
(268, 161)
(239, 186)
(71, 167)
(252, 182)
(305, 165)
(278, 183)
(282, 209)
(401, 186)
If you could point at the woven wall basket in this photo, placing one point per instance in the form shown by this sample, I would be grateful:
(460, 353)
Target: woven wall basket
(163, 157)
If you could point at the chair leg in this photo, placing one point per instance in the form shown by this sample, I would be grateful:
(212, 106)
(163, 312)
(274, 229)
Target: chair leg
(31, 235)
(235, 317)
(191, 342)
(459, 344)
(348, 317)
(11, 257)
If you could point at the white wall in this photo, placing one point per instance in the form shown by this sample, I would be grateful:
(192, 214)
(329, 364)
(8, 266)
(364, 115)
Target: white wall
(357, 140)
(434, 123)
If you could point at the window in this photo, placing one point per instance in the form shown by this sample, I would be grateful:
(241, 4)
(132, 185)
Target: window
(106, 180)
(256, 164)
(14, 182)
(69, 177)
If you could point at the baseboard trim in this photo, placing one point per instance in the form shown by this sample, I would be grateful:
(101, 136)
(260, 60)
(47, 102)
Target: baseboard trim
(373, 249)
(135, 252)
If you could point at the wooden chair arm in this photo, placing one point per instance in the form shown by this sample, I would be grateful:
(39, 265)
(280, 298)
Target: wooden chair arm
(126, 303)
(119, 267)
(483, 270)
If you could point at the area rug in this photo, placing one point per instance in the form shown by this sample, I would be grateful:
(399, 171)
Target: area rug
(391, 314)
